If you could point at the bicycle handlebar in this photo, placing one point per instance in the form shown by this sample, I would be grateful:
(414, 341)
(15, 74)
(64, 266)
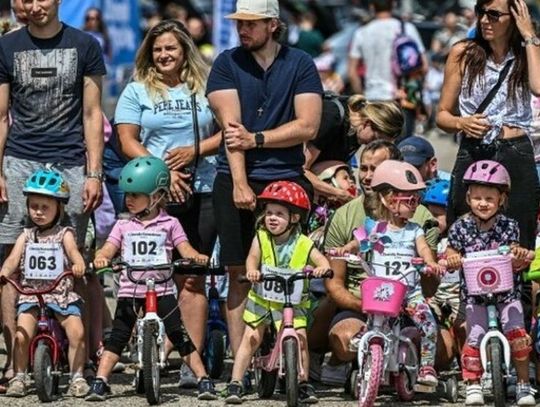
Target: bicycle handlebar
(302, 275)
(180, 266)
(25, 290)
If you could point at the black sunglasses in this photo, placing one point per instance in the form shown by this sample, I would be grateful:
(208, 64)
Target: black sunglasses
(492, 15)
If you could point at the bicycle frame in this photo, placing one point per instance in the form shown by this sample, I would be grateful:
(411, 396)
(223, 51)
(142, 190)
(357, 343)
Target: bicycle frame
(49, 329)
(493, 332)
(273, 360)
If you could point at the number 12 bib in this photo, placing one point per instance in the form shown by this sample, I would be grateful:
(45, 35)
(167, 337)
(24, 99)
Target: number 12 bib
(43, 261)
(144, 248)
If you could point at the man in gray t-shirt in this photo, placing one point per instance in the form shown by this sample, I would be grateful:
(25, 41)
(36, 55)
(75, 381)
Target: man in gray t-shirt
(373, 45)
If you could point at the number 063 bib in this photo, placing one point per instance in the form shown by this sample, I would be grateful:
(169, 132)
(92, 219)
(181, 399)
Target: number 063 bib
(144, 248)
(43, 261)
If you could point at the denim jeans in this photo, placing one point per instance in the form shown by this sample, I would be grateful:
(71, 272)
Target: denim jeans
(517, 156)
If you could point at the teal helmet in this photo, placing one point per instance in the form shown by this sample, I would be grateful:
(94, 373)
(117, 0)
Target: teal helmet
(145, 175)
(49, 183)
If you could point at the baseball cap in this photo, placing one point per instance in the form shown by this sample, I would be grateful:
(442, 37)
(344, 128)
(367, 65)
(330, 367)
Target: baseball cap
(416, 150)
(255, 10)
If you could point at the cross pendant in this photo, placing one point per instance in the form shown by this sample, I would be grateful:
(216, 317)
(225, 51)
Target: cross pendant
(260, 111)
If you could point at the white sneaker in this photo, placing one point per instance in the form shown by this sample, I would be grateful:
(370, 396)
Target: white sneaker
(475, 396)
(525, 395)
(335, 375)
(187, 378)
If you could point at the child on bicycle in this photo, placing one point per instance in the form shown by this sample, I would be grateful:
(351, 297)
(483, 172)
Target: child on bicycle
(47, 193)
(145, 182)
(486, 228)
(397, 185)
(279, 242)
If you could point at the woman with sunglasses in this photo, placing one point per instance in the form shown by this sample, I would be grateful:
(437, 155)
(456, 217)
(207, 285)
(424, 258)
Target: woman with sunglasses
(493, 123)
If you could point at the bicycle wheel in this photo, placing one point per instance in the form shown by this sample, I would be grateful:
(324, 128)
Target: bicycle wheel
(44, 379)
(265, 380)
(150, 359)
(215, 353)
(405, 380)
(290, 354)
(369, 375)
(497, 373)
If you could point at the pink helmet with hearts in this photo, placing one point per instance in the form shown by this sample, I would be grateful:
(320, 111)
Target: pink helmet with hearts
(487, 172)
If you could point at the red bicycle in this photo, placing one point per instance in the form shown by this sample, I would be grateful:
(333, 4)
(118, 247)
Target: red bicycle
(49, 348)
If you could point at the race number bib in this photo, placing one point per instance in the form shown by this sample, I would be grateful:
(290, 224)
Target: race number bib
(394, 265)
(43, 261)
(145, 248)
(273, 291)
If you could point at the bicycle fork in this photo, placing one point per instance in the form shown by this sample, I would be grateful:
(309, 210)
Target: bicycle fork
(151, 318)
(493, 332)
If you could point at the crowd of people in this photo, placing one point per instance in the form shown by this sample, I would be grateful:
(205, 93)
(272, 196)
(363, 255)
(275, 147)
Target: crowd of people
(251, 157)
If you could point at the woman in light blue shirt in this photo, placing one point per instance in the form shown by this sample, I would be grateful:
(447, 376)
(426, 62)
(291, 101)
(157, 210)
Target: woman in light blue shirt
(154, 117)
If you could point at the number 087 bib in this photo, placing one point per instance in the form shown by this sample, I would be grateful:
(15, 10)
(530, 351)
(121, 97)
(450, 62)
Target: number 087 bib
(43, 261)
(144, 248)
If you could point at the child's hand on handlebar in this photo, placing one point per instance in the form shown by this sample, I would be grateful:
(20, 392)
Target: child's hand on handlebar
(78, 270)
(253, 275)
(201, 258)
(436, 269)
(521, 257)
(318, 272)
(100, 262)
(453, 261)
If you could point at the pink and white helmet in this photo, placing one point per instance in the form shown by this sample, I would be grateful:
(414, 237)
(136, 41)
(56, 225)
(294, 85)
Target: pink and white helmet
(487, 172)
(398, 175)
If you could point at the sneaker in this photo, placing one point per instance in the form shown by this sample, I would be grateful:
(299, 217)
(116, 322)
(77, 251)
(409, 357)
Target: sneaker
(234, 393)
(16, 387)
(475, 396)
(206, 389)
(335, 375)
(246, 382)
(98, 391)
(315, 366)
(187, 378)
(525, 395)
(427, 376)
(78, 388)
(307, 394)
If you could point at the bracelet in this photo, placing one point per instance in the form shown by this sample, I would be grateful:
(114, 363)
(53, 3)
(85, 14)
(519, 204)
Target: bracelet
(98, 175)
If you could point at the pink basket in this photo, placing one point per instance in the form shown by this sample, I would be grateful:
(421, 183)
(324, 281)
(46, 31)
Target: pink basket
(382, 296)
(485, 275)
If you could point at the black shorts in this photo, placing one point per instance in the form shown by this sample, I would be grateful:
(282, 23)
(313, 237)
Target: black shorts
(236, 227)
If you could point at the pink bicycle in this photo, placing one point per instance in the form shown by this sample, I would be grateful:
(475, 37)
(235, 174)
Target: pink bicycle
(279, 353)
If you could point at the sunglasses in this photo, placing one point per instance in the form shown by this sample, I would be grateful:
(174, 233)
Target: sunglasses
(409, 200)
(91, 18)
(492, 15)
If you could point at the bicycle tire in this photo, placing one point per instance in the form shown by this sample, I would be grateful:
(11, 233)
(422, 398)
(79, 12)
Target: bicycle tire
(497, 373)
(290, 353)
(215, 353)
(43, 377)
(150, 359)
(265, 380)
(404, 384)
(369, 376)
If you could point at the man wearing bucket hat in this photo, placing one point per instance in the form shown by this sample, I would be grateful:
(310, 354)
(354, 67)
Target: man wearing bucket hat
(267, 99)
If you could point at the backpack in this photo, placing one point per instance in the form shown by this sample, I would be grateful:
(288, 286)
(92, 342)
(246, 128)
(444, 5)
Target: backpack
(406, 56)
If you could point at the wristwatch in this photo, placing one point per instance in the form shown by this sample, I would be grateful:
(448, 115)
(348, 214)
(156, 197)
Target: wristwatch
(96, 175)
(533, 40)
(259, 139)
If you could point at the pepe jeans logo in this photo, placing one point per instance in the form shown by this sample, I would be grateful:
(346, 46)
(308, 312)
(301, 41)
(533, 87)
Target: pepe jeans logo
(384, 292)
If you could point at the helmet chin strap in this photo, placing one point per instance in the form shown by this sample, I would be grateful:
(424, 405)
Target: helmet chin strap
(146, 211)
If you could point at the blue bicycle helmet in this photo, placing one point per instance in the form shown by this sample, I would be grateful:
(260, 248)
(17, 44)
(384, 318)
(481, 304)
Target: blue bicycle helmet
(49, 183)
(437, 193)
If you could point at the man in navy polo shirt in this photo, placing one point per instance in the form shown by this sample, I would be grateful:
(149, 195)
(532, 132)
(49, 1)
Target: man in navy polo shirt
(267, 98)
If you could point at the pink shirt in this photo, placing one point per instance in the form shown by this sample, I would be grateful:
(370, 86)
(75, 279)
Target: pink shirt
(121, 237)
